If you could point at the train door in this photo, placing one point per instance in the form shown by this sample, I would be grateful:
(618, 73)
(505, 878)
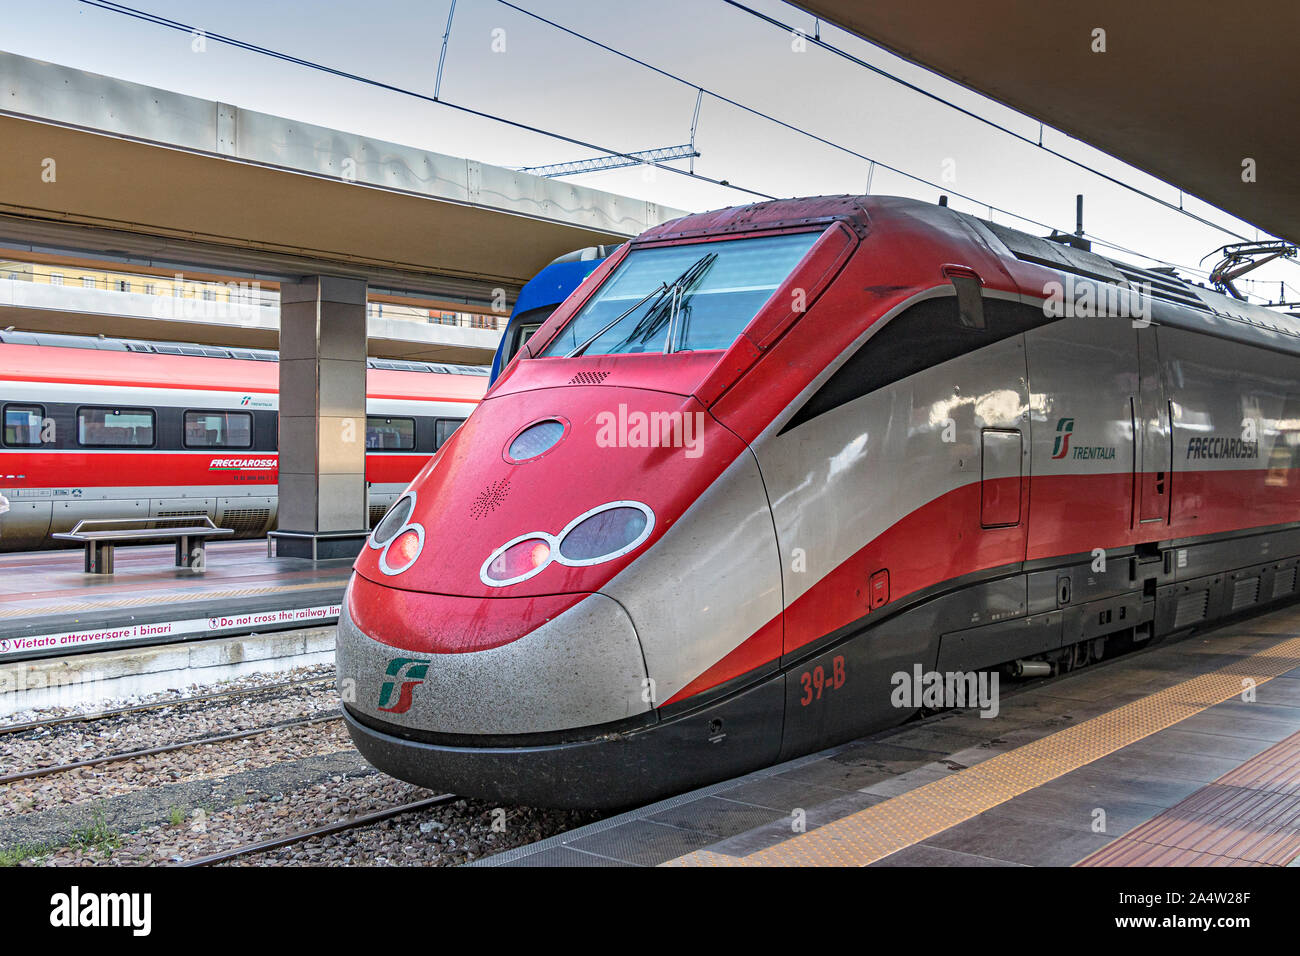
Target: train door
(1083, 375)
(1154, 450)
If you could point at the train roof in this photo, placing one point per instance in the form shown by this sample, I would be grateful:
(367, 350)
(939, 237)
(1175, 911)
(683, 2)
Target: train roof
(127, 363)
(1174, 301)
(105, 344)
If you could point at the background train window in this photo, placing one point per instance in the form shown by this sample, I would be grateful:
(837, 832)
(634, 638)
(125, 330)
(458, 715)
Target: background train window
(23, 425)
(218, 430)
(445, 427)
(528, 323)
(390, 434)
(115, 427)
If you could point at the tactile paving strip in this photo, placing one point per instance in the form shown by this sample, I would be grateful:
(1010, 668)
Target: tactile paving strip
(1248, 817)
(876, 832)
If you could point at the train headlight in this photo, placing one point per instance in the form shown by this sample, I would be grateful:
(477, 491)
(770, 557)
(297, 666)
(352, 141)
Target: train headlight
(517, 560)
(397, 538)
(401, 552)
(598, 535)
(606, 532)
(392, 522)
(535, 440)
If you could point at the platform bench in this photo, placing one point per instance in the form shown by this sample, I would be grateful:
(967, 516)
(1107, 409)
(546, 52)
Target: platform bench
(101, 535)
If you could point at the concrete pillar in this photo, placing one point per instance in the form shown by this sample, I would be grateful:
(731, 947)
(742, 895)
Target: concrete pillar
(322, 486)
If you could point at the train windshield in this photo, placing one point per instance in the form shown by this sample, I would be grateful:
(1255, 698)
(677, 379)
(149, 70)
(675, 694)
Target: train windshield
(681, 298)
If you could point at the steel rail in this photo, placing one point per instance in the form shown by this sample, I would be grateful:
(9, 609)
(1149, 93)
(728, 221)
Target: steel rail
(167, 748)
(160, 705)
(338, 826)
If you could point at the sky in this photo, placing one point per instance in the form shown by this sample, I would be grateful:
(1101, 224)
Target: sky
(503, 62)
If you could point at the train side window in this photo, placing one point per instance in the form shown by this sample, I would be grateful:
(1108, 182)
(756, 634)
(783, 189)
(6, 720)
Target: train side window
(526, 333)
(444, 429)
(390, 434)
(115, 427)
(526, 323)
(23, 425)
(218, 429)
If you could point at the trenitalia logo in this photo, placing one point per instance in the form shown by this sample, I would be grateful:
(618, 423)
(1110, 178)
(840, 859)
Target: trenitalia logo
(241, 464)
(409, 673)
(1064, 429)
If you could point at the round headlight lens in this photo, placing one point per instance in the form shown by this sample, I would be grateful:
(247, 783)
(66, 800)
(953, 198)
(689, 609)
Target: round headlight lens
(400, 553)
(392, 522)
(535, 440)
(604, 534)
(520, 560)
(404, 550)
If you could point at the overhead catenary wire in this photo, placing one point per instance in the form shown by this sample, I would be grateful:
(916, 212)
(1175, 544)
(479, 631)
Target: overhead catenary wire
(158, 20)
(442, 55)
(817, 41)
(722, 98)
(871, 161)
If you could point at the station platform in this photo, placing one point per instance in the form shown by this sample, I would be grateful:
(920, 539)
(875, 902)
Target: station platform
(50, 607)
(1186, 753)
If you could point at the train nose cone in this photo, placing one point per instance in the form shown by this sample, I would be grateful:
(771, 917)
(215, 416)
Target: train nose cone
(440, 664)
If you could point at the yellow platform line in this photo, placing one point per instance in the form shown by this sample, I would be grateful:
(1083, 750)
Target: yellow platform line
(876, 832)
(190, 596)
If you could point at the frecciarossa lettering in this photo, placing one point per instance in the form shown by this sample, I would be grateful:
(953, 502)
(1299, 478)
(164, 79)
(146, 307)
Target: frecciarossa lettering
(227, 464)
(1221, 447)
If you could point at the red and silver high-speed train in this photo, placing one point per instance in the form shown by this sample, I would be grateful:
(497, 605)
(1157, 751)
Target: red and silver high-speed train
(112, 428)
(770, 468)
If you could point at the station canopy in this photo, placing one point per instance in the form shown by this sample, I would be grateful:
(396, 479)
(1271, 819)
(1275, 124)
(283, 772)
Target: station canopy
(1186, 92)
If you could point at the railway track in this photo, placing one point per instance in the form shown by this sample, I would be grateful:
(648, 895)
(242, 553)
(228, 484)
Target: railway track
(167, 748)
(10, 729)
(339, 826)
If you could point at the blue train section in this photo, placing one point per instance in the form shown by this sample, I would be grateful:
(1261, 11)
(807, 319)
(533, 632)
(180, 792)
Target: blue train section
(540, 296)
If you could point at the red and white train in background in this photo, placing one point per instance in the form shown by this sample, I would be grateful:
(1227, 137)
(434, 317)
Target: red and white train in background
(112, 428)
(767, 459)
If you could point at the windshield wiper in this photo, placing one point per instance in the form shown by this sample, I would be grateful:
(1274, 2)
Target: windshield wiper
(663, 287)
(688, 278)
(683, 288)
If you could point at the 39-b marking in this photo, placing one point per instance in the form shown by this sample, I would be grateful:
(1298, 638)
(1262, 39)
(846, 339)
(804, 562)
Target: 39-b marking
(816, 681)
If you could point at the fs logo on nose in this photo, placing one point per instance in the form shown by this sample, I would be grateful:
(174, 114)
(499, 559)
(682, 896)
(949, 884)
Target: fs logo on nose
(409, 673)
(1064, 428)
